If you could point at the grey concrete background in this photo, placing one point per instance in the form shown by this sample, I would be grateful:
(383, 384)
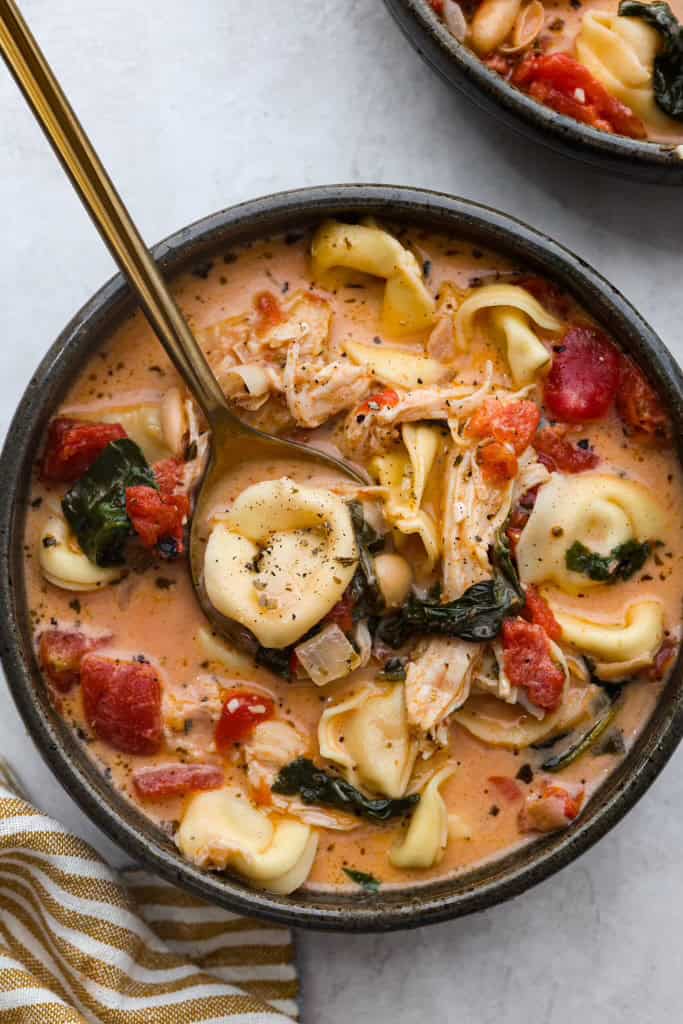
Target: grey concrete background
(195, 106)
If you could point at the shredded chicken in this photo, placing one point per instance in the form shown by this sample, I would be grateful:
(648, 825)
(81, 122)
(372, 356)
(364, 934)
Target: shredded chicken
(189, 715)
(555, 807)
(490, 676)
(473, 512)
(315, 392)
(438, 680)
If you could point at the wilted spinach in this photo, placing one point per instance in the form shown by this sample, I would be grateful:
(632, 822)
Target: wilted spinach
(393, 671)
(622, 562)
(362, 878)
(315, 786)
(95, 507)
(477, 615)
(365, 592)
(668, 68)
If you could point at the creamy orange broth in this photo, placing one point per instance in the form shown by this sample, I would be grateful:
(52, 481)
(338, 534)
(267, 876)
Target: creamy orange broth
(154, 612)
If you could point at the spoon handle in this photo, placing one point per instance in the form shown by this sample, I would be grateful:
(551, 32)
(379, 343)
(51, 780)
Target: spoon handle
(53, 112)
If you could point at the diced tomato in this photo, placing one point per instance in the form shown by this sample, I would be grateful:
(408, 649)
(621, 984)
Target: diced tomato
(73, 445)
(268, 312)
(60, 654)
(563, 83)
(241, 712)
(498, 463)
(584, 376)
(638, 404)
(262, 794)
(555, 808)
(122, 703)
(168, 474)
(502, 64)
(538, 611)
(506, 786)
(380, 400)
(548, 294)
(526, 655)
(158, 517)
(437, 6)
(571, 801)
(556, 452)
(158, 783)
(342, 613)
(511, 423)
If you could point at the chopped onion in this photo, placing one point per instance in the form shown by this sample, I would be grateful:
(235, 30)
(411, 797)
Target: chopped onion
(328, 655)
(252, 378)
(455, 20)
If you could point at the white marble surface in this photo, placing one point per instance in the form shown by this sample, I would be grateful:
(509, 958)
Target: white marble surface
(198, 105)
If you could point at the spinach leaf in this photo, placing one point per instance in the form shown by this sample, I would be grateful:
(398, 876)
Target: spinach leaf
(365, 592)
(315, 786)
(622, 562)
(668, 69)
(276, 660)
(502, 560)
(362, 878)
(477, 615)
(586, 739)
(95, 507)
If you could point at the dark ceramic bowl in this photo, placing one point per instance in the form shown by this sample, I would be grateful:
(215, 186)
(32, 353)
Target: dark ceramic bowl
(646, 161)
(146, 844)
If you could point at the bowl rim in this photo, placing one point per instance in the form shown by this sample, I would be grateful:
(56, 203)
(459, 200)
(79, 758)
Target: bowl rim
(392, 909)
(653, 162)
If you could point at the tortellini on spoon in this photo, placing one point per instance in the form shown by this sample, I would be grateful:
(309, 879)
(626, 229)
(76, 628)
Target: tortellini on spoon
(505, 311)
(408, 306)
(368, 736)
(222, 829)
(281, 559)
(599, 511)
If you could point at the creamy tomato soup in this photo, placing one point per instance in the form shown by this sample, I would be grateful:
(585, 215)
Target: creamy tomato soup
(614, 64)
(426, 670)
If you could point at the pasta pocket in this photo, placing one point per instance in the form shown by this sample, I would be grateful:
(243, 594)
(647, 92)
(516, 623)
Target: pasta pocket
(156, 427)
(281, 559)
(621, 52)
(368, 736)
(408, 306)
(221, 829)
(425, 841)
(504, 725)
(639, 635)
(64, 564)
(504, 311)
(596, 511)
(404, 474)
(396, 366)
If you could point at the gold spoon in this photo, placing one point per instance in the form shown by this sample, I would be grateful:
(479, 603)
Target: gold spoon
(232, 442)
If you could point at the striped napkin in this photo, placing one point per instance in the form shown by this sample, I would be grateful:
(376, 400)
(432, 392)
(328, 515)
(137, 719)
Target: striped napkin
(79, 943)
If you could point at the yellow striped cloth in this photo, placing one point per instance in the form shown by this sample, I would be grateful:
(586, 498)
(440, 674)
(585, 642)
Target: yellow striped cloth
(79, 943)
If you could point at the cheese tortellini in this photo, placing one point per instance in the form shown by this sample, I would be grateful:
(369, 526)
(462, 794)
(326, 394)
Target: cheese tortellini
(638, 636)
(504, 725)
(368, 736)
(281, 559)
(222, 829)
(404, 473)
(408, 306)
(599, 511)
(158, 428)
(621, 52)
(425, 841)
(396, 366)
(504, 310)
(65, 565)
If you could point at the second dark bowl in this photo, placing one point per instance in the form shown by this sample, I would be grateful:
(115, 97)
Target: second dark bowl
(124, 823)
(646, 161)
